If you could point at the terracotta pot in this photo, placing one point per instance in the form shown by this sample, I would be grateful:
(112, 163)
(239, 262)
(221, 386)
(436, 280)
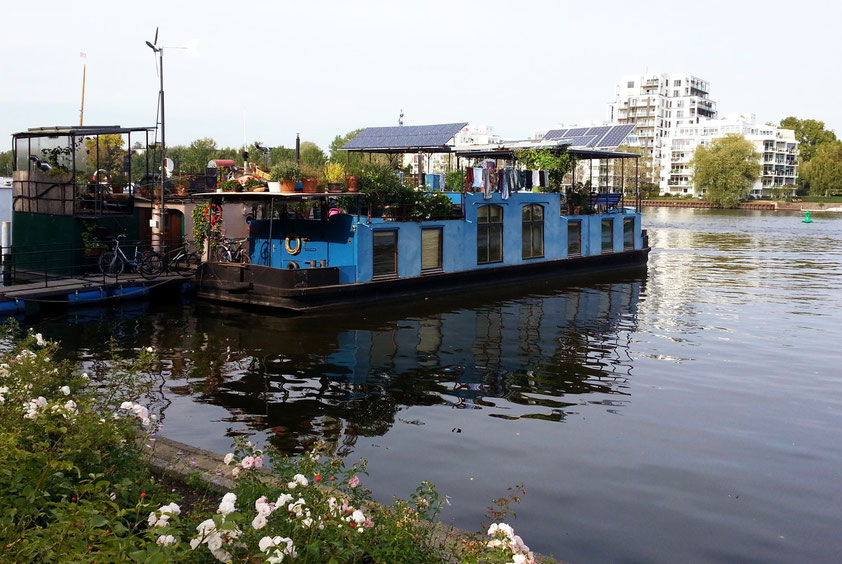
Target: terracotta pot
(352, 182)
(288, 186)
(310, 185)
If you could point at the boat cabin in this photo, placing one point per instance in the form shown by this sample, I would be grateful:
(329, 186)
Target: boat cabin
(318, 250)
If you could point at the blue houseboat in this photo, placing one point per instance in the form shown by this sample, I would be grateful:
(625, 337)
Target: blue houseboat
(345, 253)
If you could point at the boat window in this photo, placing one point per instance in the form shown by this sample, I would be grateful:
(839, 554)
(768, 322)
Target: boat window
(607, 235)
(574, 238)
(533, 231)
(385, 253)
(628, 233)
(431, 238)
(489, 234)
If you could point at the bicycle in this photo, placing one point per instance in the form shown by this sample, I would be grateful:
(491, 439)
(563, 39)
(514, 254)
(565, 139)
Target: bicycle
(231, 250)
(113, 263)
(183, 262)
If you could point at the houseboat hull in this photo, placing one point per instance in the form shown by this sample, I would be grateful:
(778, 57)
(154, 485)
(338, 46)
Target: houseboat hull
(315, 289)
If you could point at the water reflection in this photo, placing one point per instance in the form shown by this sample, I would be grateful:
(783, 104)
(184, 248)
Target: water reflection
(524, 352)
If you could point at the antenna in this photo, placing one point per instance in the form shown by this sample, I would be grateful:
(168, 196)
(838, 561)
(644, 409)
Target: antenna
(400, 119)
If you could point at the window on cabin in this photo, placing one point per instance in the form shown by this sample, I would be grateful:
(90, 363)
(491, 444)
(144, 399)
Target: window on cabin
(628, 233)
(489, 234)
(574, 238)
(385, 253)
(533, 231)
(431, 246)
(607, 235)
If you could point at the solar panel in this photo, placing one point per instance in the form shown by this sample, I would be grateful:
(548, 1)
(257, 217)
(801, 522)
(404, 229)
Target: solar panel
(556, 134)
(583, 141)
(405, 136)
(616, 136)
(577, 132)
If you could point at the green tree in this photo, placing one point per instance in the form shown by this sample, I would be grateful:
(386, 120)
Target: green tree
(105, 152)
(726, 171)
(196, 156)
(810, 134)
(312, 155)
(338, 142)
(6, 163)
(823, 172)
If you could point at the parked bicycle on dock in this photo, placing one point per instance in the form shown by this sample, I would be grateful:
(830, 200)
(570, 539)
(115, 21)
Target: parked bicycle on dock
(230, 250)
(148, 263)
(182, 261)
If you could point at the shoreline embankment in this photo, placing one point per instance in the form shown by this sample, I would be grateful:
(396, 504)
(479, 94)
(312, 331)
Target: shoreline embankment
(761, 205)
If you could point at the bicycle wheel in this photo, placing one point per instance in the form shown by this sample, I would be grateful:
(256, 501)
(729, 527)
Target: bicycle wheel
(221, 254)
(186, 265)
(151, 265)
(111, 264)
(244, 257)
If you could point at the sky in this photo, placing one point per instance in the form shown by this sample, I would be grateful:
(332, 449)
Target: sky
(270, 69)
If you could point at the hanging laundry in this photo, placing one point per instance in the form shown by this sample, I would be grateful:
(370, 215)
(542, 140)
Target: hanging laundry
(505, 185)
(536, 178)
(488, 178)
(479, 174)
(516, 180)
(469, 178)
(527, 176)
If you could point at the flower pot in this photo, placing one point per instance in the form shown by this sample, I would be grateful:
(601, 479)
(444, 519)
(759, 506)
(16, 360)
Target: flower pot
(288, 186)
(352, 182)
(310, 185)
(335, 187)
(275, 187)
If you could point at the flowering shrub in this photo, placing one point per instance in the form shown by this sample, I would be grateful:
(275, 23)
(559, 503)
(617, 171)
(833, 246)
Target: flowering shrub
(74, 485)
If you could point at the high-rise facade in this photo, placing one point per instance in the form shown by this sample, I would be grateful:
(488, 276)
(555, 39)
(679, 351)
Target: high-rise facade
(657, 103)
(777, 149)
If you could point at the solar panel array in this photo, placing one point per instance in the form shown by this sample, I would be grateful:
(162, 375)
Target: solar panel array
(404, 136)
(602, 137)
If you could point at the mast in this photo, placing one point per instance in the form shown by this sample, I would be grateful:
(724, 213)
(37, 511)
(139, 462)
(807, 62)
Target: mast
(84, 57)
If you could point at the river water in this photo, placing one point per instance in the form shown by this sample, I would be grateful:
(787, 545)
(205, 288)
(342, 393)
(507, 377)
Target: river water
(690, 412)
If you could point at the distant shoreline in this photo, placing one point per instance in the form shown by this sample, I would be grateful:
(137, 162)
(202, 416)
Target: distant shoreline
(756, 205)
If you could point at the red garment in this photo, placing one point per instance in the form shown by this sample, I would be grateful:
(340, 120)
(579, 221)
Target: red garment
(469, 178)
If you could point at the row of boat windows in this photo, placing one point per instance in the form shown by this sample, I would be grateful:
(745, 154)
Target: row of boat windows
(490, 240)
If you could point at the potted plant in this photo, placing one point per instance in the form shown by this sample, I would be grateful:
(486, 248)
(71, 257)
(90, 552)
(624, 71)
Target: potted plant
(230, 186)
(312, 176)
(253, 184)
(287, 173)
(182, 186)
(575, 198)
(352, 179)
(334, 174)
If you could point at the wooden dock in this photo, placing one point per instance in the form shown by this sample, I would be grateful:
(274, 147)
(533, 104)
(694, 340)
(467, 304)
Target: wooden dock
(93, 289)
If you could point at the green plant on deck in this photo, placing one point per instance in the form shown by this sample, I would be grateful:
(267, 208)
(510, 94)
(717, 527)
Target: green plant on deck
(557, 162)
(230, 186)
(334, 173)
(91, 241)
(286, 171)
(454, 181)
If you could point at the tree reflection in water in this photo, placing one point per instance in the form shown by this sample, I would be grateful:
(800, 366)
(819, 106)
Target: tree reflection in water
(524, 352)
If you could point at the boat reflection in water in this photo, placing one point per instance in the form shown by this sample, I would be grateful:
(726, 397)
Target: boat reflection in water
(530, 352)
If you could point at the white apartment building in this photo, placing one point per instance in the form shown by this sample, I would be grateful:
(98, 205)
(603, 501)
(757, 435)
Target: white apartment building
(658, 102)
(440, 162)
(778, 149)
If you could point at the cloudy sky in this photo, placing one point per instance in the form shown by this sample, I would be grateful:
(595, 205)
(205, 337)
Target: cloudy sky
(269, 69)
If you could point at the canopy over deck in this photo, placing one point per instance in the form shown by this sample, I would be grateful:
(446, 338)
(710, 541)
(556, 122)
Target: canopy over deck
(405, 139)
(505, 150)
(78, 130)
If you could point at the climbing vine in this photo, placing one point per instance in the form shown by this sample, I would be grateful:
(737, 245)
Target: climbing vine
(202, 227)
